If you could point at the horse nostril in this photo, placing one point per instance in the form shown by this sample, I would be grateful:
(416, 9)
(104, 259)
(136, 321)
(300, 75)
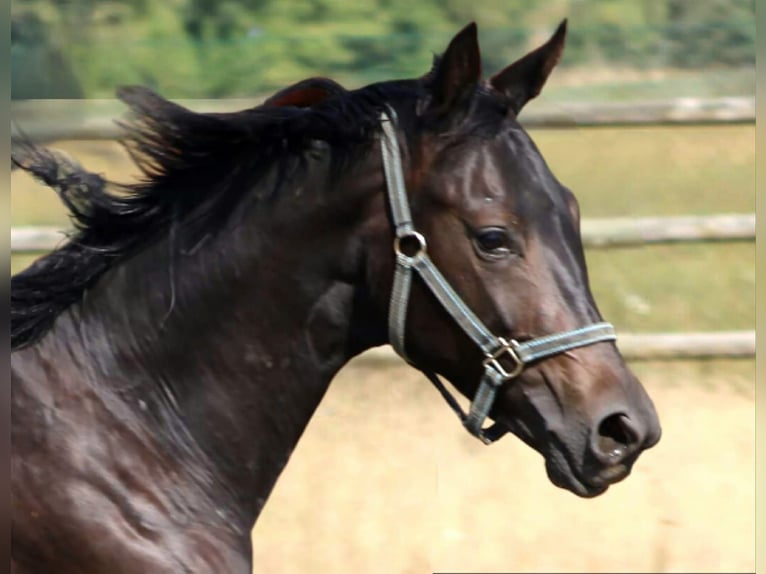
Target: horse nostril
(616, 436)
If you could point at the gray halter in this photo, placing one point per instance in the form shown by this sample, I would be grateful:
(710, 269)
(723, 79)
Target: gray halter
(494, 348)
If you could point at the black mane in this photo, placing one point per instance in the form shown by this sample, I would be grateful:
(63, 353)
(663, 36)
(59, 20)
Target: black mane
(196, 169)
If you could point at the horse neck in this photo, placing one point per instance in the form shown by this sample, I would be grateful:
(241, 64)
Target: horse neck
(229, 350)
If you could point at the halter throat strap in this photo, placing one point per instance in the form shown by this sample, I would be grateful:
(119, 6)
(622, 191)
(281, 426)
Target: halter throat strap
(410, 248)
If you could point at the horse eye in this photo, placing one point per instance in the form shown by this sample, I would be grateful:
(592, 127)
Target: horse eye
(494, 241)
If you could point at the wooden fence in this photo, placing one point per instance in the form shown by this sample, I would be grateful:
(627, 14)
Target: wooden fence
(651, 346)
(51, 120)
(93, 120)
(597, 233)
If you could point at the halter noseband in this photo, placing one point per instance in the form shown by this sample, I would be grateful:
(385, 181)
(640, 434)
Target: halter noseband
(494, 348)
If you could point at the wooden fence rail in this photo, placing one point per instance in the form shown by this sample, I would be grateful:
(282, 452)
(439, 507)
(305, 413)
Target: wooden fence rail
(597, 233)
(634, 231)
(51, 120)
(648, 347)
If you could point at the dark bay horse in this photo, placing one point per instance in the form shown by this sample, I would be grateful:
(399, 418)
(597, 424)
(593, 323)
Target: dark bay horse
(168, 357)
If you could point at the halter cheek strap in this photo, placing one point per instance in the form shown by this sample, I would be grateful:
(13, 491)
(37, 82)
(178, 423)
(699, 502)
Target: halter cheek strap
(410, 248)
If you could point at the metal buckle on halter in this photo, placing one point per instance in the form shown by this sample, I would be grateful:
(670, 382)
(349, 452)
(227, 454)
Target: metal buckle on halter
(420, 248)
(492, 361)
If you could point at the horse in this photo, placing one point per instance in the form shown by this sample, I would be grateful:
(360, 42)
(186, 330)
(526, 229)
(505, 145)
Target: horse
(168, 356)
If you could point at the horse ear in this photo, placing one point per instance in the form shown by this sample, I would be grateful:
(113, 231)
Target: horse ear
(525, 78)
(456, 73)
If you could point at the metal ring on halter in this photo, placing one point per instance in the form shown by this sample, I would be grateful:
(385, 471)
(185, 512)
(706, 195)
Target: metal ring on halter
(419, 252)
(509, 348)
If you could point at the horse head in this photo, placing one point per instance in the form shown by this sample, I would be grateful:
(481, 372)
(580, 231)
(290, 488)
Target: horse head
(500, 302)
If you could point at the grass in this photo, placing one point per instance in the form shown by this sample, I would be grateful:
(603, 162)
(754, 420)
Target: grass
(665, 171)
(614, 172)
(655, 171)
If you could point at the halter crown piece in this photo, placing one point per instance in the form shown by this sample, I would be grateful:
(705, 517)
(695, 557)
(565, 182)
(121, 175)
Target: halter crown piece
(494, 348)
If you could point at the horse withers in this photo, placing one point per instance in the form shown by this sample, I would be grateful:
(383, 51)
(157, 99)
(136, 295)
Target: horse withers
(169, 355)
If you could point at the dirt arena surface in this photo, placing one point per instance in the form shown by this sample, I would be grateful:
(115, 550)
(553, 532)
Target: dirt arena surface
(385, 480)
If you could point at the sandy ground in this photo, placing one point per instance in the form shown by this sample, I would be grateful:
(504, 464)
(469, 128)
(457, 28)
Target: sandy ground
(385, 480)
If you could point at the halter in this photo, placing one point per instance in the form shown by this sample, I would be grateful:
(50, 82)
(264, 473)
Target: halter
(494, 348)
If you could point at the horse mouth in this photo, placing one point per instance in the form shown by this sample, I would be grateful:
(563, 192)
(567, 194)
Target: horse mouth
(587, 481)
(562, 473)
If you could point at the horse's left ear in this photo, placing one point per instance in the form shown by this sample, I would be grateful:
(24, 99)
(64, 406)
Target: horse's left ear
(457, 73)
(525, 78)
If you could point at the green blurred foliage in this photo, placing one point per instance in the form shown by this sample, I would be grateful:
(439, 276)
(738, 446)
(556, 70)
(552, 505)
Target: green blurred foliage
(227, 48)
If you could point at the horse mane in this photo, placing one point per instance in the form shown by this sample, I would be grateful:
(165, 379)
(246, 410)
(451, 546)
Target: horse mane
(196, 168)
